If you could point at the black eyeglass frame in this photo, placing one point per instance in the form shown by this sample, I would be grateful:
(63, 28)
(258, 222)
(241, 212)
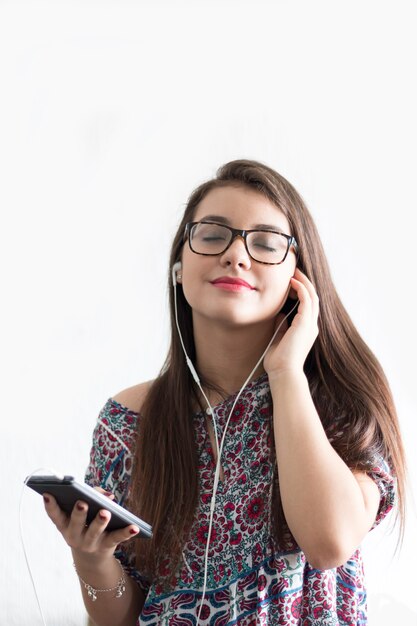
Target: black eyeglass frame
(236, 232)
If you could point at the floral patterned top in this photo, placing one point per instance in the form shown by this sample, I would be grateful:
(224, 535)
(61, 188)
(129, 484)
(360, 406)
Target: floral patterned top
(249, 581)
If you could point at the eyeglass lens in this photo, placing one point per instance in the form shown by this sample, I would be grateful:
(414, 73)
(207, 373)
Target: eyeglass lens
(263, 246)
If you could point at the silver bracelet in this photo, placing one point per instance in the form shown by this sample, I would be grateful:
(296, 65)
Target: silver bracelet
(120, 588)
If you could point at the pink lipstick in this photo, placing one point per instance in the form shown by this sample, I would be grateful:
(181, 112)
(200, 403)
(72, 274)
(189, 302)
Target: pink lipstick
(231, 284)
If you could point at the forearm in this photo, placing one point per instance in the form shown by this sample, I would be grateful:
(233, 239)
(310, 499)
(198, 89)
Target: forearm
(109, 610)
(322, 501)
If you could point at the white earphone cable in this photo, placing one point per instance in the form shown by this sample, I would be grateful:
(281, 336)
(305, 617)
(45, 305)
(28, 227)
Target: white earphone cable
(219, 447)
(22, 539)
(218, 464)
(190, 363)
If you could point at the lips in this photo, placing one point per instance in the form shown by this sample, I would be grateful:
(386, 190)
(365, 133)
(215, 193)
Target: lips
(229, 280)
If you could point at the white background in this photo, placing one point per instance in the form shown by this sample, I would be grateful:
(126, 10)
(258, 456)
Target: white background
(110, 114)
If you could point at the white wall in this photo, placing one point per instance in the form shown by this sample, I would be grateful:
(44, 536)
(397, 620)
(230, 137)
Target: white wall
(110, 114)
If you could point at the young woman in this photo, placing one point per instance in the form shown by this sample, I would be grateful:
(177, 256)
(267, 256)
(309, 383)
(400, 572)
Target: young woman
(261, 480)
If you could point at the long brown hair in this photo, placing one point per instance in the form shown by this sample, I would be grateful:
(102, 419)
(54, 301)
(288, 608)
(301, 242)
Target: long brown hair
(346, 381)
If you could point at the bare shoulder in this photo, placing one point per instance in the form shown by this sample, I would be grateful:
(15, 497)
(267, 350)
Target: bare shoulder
(133, 397)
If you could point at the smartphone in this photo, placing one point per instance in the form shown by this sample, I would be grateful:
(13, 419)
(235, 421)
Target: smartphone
(67, 491)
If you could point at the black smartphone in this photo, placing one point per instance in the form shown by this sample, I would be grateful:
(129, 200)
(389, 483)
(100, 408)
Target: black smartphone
(67, 491)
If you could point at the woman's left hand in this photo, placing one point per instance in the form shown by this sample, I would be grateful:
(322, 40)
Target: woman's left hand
(292, 343)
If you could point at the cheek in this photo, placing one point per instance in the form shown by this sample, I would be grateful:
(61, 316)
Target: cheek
(279, 299)
(278, 291)
(188, 293)
(190, 285)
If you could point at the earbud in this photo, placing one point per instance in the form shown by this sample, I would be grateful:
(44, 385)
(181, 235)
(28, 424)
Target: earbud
(175, 268)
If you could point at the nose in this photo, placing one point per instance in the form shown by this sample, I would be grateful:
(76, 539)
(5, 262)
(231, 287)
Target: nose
(236, 255)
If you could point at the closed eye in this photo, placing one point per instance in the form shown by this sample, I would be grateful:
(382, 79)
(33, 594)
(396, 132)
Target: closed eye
(213, 238)
(263, 246)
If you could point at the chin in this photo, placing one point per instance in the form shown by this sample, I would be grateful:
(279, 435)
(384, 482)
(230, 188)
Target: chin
(239, 319)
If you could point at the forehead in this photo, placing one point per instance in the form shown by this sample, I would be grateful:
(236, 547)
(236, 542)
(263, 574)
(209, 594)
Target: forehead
(241, 207)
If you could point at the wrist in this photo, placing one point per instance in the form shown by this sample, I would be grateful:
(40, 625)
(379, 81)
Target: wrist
(91, 563)
(94, 591)
(286, 374)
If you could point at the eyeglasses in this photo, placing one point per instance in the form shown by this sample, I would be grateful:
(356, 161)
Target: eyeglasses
(265, 246)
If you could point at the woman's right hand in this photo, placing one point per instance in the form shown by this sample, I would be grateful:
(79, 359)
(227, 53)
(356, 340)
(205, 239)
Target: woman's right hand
(90, 543)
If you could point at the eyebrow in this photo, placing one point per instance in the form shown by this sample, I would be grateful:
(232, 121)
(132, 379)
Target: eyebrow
(224, 220)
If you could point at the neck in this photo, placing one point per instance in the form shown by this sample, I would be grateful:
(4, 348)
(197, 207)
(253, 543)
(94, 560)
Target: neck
(226, 355)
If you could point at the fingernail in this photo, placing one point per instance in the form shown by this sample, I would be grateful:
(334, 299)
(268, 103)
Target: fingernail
(46, 499)
(80, 506)
(103, 515)
(133, 531)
